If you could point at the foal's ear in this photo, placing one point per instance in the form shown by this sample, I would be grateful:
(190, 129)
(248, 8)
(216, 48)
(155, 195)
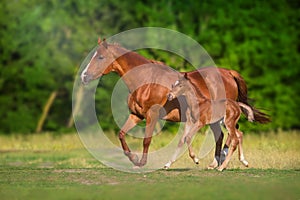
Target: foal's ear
(181, 75)
(105, 43)
(99, 40)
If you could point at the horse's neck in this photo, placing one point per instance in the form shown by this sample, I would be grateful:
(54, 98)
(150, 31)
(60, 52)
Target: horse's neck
(126, 60)
(128, 65)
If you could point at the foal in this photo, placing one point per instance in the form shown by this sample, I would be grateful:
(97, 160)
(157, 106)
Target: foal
(200, 113)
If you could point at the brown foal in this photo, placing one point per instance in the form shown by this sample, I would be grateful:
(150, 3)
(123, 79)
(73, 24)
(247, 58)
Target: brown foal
(199, 114)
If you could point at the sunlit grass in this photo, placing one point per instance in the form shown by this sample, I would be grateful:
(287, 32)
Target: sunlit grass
(276, 150)
(272, 150)
(40, 142)
(52, 166)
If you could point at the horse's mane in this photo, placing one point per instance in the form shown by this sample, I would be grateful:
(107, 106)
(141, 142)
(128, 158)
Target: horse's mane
(150, 60)
(157, 62)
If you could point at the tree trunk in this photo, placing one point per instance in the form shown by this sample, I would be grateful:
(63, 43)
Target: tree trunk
(46, 109)
(76, 106)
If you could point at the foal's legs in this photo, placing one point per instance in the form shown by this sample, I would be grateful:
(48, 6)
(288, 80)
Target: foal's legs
(234, 143)
(241, 153)
(188, 140)
(187, 128)
(129, 124)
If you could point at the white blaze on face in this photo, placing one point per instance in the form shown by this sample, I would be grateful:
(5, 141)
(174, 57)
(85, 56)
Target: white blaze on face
(83, 74)
(176, 83)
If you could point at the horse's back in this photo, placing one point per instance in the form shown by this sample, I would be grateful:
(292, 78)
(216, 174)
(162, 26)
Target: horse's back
(197, 78)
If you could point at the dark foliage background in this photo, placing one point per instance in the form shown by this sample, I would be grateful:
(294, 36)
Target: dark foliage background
(42, 44)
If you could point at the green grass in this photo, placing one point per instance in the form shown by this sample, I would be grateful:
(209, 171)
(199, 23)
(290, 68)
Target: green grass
(58, 167)
(106, 183)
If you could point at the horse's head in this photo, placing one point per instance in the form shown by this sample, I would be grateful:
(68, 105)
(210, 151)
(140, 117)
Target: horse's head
(100, 64)
(179, 87)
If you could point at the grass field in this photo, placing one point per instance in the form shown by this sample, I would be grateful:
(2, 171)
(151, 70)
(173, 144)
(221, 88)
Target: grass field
(51, 166)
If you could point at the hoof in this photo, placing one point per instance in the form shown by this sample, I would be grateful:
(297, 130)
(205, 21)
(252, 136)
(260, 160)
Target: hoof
(223, 156)
(245, 163)
(196, 161)
(220, 169)
(136, 167)
(134, 159)
(168, 165)
(143, 162)
(213, 165)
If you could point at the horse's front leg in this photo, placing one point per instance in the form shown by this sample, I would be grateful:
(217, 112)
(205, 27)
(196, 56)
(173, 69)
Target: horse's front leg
(151, 120)
(129, 124)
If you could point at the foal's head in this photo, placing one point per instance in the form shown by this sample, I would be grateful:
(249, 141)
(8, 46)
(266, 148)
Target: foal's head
(180, 87)
(101, 62)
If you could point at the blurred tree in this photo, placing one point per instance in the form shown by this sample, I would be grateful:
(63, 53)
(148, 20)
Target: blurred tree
(43, 43)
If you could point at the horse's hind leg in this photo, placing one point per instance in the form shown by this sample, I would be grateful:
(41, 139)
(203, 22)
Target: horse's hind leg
(129, 124)
(241, 152)
(218, 134)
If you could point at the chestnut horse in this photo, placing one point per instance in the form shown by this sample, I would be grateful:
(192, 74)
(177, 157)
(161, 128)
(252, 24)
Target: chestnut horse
(199, 114)
(149, 101)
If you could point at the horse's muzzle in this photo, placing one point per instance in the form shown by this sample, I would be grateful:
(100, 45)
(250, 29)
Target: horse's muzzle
(86, 78)
(170, 97)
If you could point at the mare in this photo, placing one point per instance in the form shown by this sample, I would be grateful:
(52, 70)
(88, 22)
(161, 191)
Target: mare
(149, 101)
(199, 114)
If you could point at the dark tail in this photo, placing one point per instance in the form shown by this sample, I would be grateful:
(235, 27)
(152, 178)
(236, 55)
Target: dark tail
(243, 97)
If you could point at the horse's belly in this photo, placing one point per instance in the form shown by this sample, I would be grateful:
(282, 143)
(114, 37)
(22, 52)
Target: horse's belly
(173, 116)
(174, 110)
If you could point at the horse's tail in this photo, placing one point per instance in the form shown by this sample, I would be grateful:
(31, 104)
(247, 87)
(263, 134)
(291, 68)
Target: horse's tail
(243, 97)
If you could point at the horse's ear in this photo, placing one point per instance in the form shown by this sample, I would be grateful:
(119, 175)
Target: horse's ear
(185, 76)
(99, 40)
(105, 43)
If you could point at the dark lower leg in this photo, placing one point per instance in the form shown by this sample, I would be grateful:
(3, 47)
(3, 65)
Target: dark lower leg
(132, 157)
(231, 150)
(150, 125)
(219, 142)
(130, 123)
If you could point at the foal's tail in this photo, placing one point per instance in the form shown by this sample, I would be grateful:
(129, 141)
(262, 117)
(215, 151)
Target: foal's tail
(250, 113)
(243, 97)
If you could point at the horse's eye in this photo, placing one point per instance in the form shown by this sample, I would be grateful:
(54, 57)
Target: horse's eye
(100, 57)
